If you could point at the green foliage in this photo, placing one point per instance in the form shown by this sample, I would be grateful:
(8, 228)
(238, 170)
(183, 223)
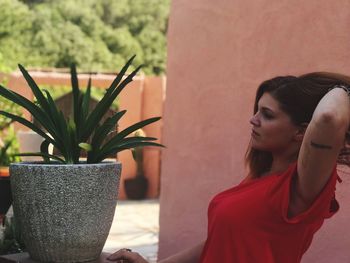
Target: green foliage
(95, 35)
(9, 145)
(15, 27)
(8, 106)
(72, 135)
(9, 148)
(58, 91)
(3, 67)
(137, 154)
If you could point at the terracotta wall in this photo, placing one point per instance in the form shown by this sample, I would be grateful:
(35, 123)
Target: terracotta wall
(143, 98)
(218, 52)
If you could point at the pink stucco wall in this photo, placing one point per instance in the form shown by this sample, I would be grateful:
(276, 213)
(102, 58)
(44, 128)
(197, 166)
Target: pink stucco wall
(218, 52)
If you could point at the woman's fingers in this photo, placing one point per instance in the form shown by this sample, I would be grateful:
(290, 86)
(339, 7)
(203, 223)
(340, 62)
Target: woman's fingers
(127, 255)
(120, 254)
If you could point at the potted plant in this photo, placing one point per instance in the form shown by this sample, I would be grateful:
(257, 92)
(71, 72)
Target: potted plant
(8, 138)
(65, 206)
(5, 188)
(136, 187)
(30, 141)
(8, 149)
(5, 158)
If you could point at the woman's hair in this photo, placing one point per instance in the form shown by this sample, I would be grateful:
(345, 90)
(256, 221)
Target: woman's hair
(298, 97)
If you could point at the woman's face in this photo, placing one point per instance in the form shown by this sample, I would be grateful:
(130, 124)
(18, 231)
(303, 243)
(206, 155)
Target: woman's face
(273, 129)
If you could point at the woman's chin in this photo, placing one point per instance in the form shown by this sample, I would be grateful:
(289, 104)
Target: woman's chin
(258, 147)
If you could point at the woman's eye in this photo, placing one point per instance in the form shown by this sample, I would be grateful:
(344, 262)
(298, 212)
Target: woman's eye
(267, 115)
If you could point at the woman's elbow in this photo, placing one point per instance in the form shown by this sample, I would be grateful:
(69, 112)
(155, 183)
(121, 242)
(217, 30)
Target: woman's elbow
(332, 119)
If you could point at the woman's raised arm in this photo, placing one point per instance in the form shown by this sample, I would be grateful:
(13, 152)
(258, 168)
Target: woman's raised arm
(322, 142)
(190, 255)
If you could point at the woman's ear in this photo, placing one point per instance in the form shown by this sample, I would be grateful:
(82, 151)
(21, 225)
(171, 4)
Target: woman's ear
(299, 135)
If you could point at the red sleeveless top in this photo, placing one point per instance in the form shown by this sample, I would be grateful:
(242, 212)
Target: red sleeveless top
(249, 223)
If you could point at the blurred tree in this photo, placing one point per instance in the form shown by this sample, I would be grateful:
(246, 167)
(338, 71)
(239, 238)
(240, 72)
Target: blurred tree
(15, 33)
(95, 34)
(154, 47)
(3, 67)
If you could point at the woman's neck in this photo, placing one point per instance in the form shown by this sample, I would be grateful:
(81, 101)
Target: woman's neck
(281, 163)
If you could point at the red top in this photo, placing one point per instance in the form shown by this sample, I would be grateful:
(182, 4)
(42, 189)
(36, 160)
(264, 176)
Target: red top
(249, 223)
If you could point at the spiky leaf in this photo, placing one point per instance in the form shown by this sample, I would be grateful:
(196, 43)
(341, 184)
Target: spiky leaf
(84, 130)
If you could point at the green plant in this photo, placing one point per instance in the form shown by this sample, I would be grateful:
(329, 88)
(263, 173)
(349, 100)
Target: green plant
(137, 154)
(57, 91)
(82, 131)
(8, 140)
(9, 148)
(8, 106)
(4, 158)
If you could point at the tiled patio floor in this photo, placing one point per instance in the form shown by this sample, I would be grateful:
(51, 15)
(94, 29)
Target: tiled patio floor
(135, 226)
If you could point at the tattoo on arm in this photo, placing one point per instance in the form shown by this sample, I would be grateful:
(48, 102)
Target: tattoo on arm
(321, 146)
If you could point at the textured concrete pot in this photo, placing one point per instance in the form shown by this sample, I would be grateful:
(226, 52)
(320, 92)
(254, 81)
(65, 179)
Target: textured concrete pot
(65, 211)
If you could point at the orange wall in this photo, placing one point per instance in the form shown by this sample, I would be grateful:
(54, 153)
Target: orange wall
(218, 52)
(142, 98)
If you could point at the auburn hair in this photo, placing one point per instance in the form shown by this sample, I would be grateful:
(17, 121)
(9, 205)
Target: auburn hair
(297, 97)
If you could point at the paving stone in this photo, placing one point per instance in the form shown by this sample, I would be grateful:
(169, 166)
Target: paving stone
(135, 226)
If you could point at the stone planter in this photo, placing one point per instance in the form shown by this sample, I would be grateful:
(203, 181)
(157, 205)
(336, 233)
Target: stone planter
(64, 211)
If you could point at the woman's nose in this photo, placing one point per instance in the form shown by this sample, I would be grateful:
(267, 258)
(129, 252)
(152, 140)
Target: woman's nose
(254, 120)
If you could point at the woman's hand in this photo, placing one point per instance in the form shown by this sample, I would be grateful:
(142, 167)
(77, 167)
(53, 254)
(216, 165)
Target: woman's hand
(126, 256)
(344, 154)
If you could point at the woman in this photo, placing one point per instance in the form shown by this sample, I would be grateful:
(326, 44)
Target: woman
(298, 135)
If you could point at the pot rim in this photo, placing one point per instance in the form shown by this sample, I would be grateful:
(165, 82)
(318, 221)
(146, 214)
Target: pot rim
(40, 163)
